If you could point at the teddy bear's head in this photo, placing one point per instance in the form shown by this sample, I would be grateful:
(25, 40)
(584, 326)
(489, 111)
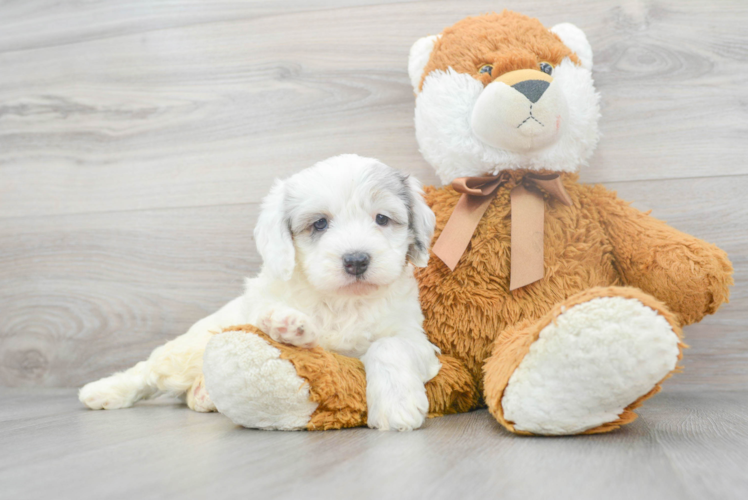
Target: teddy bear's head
(501, 91)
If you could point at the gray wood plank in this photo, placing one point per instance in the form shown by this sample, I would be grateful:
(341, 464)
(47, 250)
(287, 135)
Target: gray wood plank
(35, 24)
(696, 430)
(82, 296)
(688, 444)
(196, 114)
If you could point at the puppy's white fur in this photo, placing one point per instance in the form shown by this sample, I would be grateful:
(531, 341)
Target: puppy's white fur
(303, 295)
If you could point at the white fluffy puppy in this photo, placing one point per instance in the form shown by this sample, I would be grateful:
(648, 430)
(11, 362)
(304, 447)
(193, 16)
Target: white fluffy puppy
(339, 241)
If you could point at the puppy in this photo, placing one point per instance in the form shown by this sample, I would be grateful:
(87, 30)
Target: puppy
(338, 241)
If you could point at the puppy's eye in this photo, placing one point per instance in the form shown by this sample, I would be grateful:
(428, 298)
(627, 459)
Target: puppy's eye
(382, 220)
(546, 68)
(320, 225)
(486, 68)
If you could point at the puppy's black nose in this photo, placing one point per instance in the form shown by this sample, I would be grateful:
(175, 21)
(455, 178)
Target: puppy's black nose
(356, 263)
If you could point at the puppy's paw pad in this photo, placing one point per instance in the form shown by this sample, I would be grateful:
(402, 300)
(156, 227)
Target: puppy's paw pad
(289, 326)
(199, 400)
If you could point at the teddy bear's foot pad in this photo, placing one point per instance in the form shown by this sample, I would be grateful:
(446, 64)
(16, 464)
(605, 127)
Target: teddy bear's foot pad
(587, 366)
(250, 383)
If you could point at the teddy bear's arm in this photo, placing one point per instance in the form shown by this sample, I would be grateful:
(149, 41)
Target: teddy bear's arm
(250, 382)
(690, 275)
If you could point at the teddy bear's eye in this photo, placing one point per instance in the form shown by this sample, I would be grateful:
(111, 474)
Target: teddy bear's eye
(486, 68)
(546, 68)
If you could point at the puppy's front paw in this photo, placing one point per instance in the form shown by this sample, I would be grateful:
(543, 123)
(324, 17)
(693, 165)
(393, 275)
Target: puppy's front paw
(289, 326)
(399, 410)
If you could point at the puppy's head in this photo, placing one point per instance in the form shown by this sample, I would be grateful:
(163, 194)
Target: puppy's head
(349, 224)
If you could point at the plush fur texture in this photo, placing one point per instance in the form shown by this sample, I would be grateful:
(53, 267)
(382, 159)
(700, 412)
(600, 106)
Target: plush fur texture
(514, 344)
(575, 352)
(485, 331)
(334, 384)
(591, 248)
(308, 294)
(454, 97)
(599, 241)
(253, 386)
(579, 350)
(601, 355)
(509, 41)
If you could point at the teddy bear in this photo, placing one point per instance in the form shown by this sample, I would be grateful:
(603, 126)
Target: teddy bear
(555, 304)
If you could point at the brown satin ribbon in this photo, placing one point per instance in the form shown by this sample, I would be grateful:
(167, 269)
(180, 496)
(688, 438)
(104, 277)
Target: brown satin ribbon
(528, 211)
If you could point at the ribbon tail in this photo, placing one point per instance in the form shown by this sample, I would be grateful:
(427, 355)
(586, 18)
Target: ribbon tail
(460, 227)
(553, 185)
(528, 214)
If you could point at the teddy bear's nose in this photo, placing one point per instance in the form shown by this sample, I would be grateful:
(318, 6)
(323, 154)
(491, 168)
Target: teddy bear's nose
(532, 89)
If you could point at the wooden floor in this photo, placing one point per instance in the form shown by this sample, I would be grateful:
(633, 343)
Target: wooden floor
(688, 445)
(137, 138)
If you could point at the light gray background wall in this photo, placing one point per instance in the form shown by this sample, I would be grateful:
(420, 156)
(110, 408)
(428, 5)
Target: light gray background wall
(137, 138)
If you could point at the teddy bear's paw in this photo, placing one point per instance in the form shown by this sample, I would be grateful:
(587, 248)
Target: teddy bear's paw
(587, 366)
(251, 384)
(289, 326)
(198, 398)
(401, 406)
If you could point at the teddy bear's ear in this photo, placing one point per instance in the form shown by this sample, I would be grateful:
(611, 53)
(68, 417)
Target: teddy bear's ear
(419, 57)
(576, 40)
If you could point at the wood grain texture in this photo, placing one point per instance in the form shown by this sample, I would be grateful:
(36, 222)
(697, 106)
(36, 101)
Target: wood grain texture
(687, 444)
(137, 138)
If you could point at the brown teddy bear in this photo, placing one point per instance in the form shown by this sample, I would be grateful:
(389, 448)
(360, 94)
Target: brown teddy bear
(554, 303)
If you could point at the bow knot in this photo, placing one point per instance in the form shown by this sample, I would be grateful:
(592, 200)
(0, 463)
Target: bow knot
(480, 186)
(527, 221)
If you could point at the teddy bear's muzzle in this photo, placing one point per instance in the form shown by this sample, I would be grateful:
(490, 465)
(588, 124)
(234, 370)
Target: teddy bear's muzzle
(520, 111)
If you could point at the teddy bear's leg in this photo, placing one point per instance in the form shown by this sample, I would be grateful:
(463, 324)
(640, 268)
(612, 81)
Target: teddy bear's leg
(585, 366)
(251, 381)
(692, 277)
(260, 383)
(453, 390)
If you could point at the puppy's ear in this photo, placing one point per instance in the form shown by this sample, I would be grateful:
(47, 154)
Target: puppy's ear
(576, 40)
(421, 221)
(420, 53)
(273, 235)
